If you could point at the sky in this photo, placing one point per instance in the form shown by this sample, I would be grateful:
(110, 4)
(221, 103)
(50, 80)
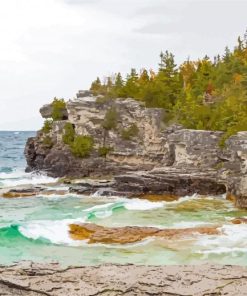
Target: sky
(54, 48)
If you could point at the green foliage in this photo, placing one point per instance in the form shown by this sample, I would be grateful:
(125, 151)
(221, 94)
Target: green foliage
(58, 107)
(47, 142)
(129, 133)
(47, 127)
(110, 120)
(96, 86)
(102, 99)
(82, 146)
(69, 134)
(203, 94)
(103, 151)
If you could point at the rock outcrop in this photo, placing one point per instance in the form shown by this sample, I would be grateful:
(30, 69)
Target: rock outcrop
(131, 234)
(31, 279)
(156, 159)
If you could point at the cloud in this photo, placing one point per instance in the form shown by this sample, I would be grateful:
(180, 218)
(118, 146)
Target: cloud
(55, 47)
(81, 2)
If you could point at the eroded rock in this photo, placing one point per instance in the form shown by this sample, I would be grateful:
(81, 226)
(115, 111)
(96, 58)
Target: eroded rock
(32, 279)
(157, 160)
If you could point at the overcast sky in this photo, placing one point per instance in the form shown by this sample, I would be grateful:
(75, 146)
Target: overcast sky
(53, 48)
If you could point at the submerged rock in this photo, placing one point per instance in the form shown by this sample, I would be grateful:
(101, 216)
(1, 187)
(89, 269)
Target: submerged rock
(131, 234)
(32, 191)
(239, 221)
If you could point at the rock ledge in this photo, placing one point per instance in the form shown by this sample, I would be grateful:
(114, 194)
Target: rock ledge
(32, 279)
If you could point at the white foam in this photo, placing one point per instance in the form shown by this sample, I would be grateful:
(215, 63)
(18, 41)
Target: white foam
(19, 177)
(129, 204)
(57, 232)
(141, 243)
(142, 205)
(190, 224)
(233, 239)
(56, 196)
(99, 207)
(223, 250)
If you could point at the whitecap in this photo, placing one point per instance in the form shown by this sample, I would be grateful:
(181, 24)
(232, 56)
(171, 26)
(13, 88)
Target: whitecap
(98, 207)
(57, 232)
(142, 205)
(190, 224)
(19, 177)
(232, 239)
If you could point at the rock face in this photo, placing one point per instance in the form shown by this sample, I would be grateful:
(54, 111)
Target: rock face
(46, 112)
(156, 159)
(30, 279)
(144, 151)
(170, 180)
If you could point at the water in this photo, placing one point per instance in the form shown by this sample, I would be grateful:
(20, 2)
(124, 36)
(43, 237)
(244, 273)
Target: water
(36, 228)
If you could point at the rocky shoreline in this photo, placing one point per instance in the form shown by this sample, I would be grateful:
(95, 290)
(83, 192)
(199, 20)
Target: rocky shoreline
(32, 279)
(157, 159)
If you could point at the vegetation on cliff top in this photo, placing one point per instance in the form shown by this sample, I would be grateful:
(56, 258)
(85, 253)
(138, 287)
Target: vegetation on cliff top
(58, 107)
(203, 94)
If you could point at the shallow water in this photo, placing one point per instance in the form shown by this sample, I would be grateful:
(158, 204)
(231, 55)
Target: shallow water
(37, 228)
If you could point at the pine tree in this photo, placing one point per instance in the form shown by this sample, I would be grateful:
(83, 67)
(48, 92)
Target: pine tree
(96, 86)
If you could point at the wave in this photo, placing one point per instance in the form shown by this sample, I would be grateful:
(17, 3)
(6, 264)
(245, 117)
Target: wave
(233, 239)
(10, 234)
(136, 204)
(57, 232)
(5, 170)
(106, 210)
(191, 224)
(19, 177)
(46, 232)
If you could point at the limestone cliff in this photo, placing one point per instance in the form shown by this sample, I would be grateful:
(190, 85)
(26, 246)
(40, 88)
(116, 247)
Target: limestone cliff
(157, 158)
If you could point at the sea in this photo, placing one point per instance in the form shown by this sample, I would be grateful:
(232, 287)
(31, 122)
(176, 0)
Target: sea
(36, 228)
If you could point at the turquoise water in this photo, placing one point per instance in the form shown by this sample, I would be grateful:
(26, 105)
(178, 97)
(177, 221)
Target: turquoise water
(36, 228)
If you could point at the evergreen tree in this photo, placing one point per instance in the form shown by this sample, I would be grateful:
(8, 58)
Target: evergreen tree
(96, 86)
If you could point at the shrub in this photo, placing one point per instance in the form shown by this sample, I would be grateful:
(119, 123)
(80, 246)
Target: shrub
(103, 99)
(69, 134)
(129, 133)
(58, 107)
(82, 146)
(110, 120)
(47, 126)
(47, 142)
(103, 151)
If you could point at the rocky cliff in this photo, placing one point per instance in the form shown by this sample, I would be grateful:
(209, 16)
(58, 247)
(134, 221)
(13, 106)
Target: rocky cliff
(155, 158)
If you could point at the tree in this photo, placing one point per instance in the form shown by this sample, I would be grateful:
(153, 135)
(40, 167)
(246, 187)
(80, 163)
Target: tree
(58, 109)
(131, 87)
(82, 146)
(118, 89)
(96, 86)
